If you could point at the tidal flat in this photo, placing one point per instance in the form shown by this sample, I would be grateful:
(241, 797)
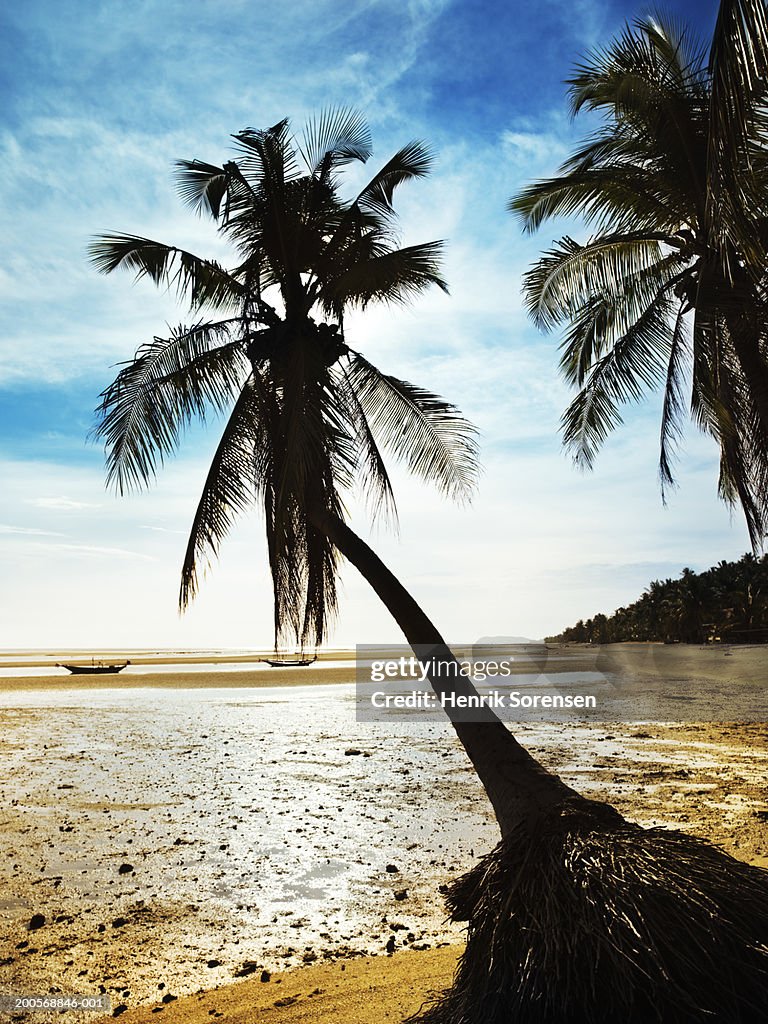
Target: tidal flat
(156, 841)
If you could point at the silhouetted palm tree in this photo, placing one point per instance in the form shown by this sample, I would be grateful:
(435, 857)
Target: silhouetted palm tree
(692, 605)
(306, 413)
(672, 288)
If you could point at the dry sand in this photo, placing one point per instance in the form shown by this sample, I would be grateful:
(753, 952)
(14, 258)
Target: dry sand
(374, 990)
(708, 779)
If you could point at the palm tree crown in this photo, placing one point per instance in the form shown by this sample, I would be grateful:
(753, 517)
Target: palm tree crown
(671, 289)
(306, 415)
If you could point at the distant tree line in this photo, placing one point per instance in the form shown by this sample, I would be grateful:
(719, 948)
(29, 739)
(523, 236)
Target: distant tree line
(728, 603)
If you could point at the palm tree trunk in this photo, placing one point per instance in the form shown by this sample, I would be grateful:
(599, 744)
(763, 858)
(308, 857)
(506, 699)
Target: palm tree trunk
(519, 788)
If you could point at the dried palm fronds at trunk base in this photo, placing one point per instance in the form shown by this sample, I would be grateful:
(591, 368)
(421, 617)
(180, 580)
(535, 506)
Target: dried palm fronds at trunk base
(593, 919)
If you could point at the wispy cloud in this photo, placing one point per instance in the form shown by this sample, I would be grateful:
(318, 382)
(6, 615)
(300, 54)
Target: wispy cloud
(28, 531)
(62, 504)
(95, 551)
(533, 154)
(162, 529)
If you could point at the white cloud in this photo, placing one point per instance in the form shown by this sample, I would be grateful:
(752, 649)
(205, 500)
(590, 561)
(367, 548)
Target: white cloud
(62, 504)
(536, 153)
(27, 531)
(162, 529)
(89, 549)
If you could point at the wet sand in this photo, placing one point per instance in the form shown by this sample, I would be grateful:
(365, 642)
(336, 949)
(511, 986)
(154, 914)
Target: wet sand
(178, 840)
(708, 780)
(244, 678)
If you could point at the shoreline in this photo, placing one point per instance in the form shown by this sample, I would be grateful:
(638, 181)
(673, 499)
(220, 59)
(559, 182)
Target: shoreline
(18, 658)
(722, 663)
(259, 678)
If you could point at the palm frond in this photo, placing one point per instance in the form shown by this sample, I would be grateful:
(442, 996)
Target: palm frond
(742, 469)
(651, 88)
(738, 66)
(229, 489)
(412, 161)
(423, 430)
(310, 456)
(202, 186)
(642, 68)
(366, 228)
(321, 603)
(674, 406)
(393, 277)
(606, 148)
(605, 269)
(268, 158)
(604, 317)
(634, 364)
(203, 282)
(591, 331)
(371, 467)
(677, 45)
(623, 197)
(336, 136)
(707, 344)
(154, 397)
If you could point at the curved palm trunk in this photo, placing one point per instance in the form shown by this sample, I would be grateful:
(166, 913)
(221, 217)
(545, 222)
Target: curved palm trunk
(519, 788)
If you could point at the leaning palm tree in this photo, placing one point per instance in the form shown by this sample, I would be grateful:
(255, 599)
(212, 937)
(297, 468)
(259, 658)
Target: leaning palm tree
(307, 415)
(671, 289)
(307, 419)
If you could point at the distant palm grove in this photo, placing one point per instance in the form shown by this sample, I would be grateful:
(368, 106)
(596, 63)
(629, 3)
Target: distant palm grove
(728, 603)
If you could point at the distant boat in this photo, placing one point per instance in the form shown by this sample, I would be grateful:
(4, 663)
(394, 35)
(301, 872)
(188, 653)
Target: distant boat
(96, 668)
(288, 662)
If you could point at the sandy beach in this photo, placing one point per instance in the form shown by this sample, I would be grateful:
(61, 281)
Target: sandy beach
(369, 990)
(185, 833)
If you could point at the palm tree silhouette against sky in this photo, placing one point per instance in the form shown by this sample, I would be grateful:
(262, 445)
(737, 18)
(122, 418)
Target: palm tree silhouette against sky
(306, 413)
(671, 289)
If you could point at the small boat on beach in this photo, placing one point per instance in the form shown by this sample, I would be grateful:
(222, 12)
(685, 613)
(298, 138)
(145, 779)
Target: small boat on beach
(96, 668)
(288, 662)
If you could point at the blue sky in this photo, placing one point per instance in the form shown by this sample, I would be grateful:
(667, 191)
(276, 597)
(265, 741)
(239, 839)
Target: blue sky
(98, 100)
